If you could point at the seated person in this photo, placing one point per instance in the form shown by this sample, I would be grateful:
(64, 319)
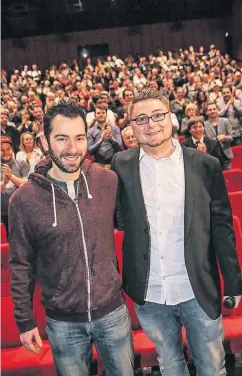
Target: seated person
(199, 141)
(103, 139)
(9, 131)
(129, 138)
(99, 101)
(13, 174)
(29, 152)
(190, 111)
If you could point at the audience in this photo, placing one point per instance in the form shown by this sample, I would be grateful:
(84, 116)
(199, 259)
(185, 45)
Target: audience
(193, 81)
(13, 174)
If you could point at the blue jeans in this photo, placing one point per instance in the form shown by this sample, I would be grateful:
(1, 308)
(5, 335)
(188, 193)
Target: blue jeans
(162, 323)
(71, 344)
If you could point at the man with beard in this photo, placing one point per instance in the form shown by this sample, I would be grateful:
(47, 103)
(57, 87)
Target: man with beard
(174, 208)
(71, 244)
(13, 174)
(220, 129)
(231, 108)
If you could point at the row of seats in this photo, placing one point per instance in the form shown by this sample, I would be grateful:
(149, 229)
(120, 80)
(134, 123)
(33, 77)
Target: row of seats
(233, 179)
(15, 359)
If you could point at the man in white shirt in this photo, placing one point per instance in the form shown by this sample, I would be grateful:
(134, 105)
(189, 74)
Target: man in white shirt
(174, 208)
(97, 102)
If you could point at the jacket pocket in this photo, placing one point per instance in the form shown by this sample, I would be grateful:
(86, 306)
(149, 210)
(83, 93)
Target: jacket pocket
(49, 300)
(106, 283)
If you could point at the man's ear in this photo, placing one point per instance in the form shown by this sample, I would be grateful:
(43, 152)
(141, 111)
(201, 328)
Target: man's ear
(44, 143)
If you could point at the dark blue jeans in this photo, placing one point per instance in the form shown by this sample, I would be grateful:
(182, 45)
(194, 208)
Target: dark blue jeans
(163, 323)
(71, 344)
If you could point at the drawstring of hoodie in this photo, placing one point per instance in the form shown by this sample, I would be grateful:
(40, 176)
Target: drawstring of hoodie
(54, 205)
(89, 196)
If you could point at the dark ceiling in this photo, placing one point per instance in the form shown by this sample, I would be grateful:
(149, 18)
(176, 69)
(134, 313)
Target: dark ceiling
(35, 17)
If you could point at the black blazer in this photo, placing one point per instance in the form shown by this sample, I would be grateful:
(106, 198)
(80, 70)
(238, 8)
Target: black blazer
(209, 234)
(213, 147)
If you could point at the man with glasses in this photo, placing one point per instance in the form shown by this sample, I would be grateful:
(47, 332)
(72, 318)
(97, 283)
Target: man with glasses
(174, 209)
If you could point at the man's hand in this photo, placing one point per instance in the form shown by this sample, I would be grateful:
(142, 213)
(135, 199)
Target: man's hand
(202, 147)
(231, 101)
(103, 134)
(222, 137)
(108, 132)
(5, 179)
(31, 340)
(238, 299)
(6, 170)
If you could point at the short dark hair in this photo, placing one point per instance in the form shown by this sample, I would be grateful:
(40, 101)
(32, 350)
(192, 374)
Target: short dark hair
(125, 91)
(194, 120)
(95, 98)
(67, 108)
(100, 108)
(227, 87)
(210, 103)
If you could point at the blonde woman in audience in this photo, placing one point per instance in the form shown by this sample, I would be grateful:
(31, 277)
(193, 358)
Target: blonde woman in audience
(28, 151)
(190, 111)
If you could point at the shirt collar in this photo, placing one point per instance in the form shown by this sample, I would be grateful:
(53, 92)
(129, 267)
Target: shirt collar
(175, 156)
(201, 140)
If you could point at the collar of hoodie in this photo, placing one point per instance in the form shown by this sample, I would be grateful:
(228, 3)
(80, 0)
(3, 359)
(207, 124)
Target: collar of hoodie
(40, 174)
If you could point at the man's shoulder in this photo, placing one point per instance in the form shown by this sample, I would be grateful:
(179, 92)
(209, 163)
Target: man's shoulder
(126, 155)
(113, 126)
(223, 120)
(102, 174)
(23, 194)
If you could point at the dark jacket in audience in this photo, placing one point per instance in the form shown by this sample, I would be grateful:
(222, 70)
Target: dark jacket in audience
(213, 147)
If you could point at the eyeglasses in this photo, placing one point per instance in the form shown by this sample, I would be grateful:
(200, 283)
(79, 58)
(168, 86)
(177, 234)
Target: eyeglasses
(144, 119)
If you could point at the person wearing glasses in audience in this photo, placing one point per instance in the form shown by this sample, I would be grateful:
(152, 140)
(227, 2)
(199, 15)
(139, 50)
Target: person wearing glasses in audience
(199, 141)
(173, 206)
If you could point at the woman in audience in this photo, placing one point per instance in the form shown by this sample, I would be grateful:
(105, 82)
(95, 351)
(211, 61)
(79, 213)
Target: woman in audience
(190, 111)
(28, 151)
(26, 125)
(201, 101)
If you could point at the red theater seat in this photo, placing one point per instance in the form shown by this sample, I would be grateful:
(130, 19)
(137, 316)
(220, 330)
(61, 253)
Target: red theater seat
(118, 239)
(4, 238)
(236, 204)
(181, 138)
(233, 180)
(237, 159)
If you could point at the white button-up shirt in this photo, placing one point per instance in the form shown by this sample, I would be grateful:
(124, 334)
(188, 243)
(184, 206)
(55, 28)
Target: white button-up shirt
(163, 187)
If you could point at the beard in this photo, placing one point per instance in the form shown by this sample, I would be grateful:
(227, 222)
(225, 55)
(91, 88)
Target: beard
(158, 142)
(65, 167)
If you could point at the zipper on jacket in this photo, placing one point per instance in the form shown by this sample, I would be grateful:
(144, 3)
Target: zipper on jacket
(86, 258)
(87, 264)
(84, 246)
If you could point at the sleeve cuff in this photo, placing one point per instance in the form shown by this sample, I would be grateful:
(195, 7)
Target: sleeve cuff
(26, 326)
